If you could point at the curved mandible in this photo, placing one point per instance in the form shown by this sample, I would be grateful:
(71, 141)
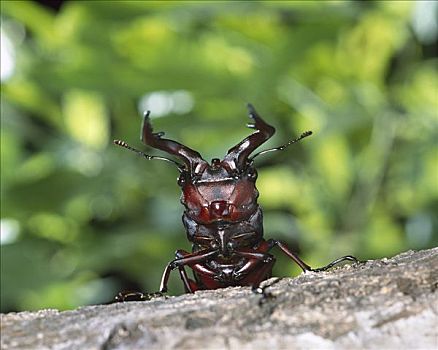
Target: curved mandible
(191, 158)
(239, 154)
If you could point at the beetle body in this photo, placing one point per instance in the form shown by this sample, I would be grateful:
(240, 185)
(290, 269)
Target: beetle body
(222, 215)
(222, 218)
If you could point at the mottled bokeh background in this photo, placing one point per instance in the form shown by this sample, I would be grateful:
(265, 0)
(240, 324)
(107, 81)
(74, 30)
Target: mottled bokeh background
(82, 219)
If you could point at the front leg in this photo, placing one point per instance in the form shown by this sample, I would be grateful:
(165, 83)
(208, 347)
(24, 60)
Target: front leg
(189, 259)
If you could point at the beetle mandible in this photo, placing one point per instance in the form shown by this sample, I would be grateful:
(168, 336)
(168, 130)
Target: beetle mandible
(222, 219)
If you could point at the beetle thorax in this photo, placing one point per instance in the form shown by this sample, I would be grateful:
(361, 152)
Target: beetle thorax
(219, 194)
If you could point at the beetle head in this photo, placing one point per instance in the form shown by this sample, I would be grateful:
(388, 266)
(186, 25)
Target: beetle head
(220, 191)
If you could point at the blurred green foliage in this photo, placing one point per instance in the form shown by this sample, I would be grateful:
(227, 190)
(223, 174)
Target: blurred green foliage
(83, 219)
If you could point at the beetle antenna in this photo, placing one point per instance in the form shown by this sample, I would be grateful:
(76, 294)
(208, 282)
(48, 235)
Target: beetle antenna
(280, 148)
(144, 155)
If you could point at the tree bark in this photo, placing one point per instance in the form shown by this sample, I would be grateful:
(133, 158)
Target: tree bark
(381, 304)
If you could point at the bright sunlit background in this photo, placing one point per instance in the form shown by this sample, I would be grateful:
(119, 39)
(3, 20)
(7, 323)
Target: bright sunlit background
(82, 219)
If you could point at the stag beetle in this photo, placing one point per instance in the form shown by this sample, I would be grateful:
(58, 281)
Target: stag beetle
(221, 217)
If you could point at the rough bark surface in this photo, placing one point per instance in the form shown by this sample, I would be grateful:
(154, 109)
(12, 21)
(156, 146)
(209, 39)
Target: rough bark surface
(381, 304)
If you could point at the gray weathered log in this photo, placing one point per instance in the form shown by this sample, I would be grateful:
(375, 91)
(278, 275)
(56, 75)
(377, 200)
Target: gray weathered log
(382, 304)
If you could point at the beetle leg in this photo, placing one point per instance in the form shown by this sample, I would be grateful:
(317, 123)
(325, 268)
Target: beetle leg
(200, 268)
(262, 274)
(182, 272)
(185, 279)
(264, 271)
(335, 262)
(208, 277)
(190, 286)
(285, 249)
(264, 262)
(253, 255)
(180, 262)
